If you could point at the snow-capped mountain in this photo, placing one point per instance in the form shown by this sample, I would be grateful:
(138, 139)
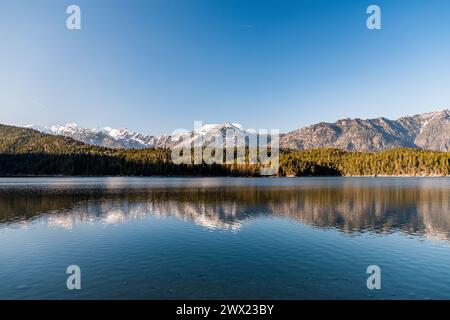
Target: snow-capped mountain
(121, 138)
(106, 137)
(228, 134)
(430, 131)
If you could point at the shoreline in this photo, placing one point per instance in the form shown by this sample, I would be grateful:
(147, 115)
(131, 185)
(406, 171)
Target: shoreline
(212, 176)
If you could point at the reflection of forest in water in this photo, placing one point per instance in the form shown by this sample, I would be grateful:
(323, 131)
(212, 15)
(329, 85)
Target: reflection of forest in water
(350, 208)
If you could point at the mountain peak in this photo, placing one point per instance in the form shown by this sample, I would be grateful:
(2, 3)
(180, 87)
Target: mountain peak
(430, 130)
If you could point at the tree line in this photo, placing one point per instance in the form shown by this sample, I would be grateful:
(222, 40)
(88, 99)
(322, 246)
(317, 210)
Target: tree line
(400, 161)
(28, 152)
(148, 162)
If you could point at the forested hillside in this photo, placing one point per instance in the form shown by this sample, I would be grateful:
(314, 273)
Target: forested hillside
(23, 140)
(28, 152)
(399, 161)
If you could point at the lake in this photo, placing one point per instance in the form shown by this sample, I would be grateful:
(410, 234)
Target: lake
(225, 238)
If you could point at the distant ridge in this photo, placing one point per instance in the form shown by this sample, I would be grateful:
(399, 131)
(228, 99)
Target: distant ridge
(28, 152)
(106, 137)
(125, 139)
(428, 131)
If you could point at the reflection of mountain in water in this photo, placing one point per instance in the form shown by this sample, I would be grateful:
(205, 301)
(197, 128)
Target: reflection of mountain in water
(350, 208)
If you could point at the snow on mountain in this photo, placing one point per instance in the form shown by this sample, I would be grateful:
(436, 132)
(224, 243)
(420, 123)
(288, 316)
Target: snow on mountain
(211, 134)
(106, 137)
(121, 138)
(430, 131)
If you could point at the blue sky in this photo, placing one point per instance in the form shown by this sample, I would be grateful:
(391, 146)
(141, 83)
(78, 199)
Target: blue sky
(158, 65)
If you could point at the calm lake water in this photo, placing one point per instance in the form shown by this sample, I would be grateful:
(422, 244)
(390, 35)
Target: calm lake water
(230, 238)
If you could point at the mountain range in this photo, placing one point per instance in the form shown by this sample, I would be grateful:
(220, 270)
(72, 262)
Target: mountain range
(126, 139)
(429, 131)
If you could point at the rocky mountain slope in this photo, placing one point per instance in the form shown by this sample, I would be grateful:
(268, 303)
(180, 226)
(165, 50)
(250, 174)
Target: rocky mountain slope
(430, 131)
(121, 138)
(106, 137)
